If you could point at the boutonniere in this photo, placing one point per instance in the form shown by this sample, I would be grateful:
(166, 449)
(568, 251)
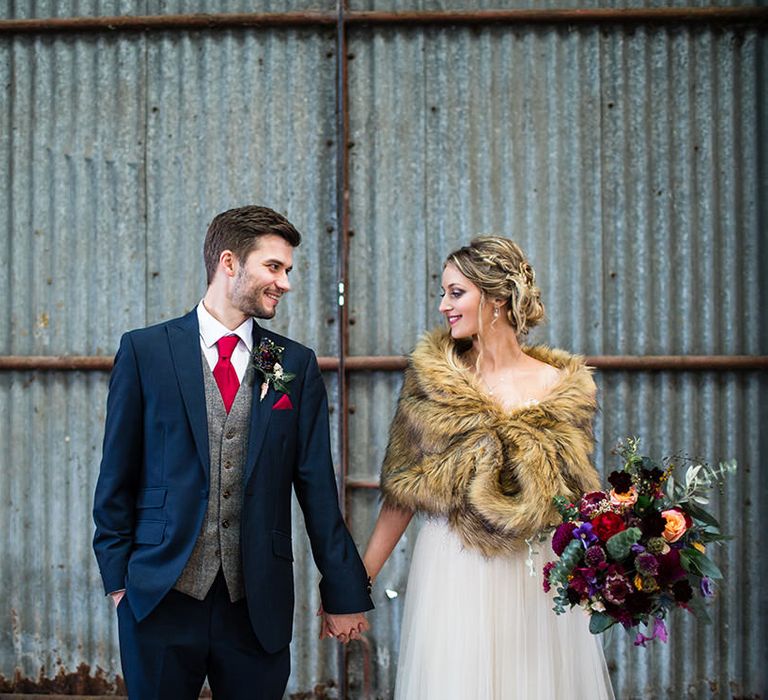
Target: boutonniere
(265, 359)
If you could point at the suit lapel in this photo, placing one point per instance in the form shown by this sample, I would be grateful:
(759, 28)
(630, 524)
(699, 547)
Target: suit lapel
(261, 412)
(184, 339)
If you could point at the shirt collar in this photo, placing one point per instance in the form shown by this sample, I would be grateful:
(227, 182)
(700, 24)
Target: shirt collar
(212, 330)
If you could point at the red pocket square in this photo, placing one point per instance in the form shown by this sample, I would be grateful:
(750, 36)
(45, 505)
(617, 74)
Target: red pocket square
(283, 403)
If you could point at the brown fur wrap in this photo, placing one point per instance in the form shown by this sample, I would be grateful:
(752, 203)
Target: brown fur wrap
(455, 451)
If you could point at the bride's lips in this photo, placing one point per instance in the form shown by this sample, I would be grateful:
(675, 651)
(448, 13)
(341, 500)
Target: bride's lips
(453, 319)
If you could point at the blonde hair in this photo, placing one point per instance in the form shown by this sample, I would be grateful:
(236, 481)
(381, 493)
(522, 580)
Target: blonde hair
(499, 268)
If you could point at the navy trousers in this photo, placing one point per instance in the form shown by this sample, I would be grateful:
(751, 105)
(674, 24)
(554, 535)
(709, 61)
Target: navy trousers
(169, 653)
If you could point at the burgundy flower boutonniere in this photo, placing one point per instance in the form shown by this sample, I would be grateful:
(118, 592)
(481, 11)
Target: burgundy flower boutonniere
(265, 359)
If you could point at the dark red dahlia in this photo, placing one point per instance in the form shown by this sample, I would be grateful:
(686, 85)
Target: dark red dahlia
(621, 481)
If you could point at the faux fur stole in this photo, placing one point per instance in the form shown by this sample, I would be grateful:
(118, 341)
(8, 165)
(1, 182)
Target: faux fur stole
(455, 451)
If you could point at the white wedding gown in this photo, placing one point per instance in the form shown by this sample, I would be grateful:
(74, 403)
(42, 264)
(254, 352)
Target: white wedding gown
(483, 629)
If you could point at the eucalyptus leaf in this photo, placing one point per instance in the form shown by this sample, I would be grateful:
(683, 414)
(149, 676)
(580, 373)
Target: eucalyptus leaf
(599, 622)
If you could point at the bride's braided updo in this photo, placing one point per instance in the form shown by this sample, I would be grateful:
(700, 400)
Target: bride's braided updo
(501, 271)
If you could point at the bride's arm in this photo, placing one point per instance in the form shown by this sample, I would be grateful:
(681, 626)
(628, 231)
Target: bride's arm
(389, 527)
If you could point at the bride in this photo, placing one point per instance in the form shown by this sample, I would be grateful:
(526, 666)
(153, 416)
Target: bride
(486, 432)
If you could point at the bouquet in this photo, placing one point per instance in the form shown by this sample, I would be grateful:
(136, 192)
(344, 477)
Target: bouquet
(635, 552)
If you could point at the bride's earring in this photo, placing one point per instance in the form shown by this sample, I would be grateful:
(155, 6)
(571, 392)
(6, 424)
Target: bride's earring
(495, 312)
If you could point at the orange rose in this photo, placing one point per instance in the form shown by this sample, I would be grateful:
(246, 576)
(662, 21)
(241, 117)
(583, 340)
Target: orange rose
(628, 498)
(677, 523)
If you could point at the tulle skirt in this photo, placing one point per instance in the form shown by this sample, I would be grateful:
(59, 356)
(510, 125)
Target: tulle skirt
(483, 629)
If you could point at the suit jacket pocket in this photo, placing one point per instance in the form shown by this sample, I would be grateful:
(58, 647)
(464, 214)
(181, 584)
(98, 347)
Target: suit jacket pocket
(281, 545)
(149, 531)
(152, 497)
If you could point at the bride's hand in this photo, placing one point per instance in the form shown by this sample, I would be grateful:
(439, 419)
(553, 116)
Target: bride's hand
(345, 627)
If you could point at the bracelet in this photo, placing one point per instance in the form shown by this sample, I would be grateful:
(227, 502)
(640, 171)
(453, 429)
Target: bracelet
(369, 586)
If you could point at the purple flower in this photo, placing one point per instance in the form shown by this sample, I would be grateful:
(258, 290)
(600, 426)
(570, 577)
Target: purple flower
(585, 534)
(594, 555)
(647, 564)
(706, 587)
(637, 547)
(659, 632)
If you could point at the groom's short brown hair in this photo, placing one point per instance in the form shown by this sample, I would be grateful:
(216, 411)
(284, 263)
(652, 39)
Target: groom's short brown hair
(239, 230)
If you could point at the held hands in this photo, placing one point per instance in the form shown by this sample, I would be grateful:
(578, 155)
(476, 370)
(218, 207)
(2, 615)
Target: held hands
(345, 627)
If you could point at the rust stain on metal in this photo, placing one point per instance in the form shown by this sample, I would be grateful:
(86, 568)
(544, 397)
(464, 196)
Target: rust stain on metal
(322, 691)
(78, 682)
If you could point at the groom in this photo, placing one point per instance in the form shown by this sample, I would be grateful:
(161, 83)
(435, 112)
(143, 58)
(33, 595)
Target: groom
(211, 420)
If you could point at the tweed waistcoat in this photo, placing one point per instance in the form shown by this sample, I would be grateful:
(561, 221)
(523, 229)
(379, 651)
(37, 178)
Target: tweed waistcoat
(218, 544)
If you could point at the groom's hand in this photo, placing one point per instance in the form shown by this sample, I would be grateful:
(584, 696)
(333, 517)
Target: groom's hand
(345, 627)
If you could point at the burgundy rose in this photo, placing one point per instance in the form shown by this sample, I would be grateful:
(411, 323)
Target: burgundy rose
(563, 535)
(606, 525)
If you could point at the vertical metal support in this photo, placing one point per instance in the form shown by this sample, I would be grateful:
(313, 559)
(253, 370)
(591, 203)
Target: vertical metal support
(342, 222)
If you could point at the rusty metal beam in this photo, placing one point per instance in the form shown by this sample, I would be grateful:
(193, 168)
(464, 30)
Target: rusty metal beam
(744, 16)
(661, 15)
(393, 363)
(396, 363)
(362, 484)
(179, 22)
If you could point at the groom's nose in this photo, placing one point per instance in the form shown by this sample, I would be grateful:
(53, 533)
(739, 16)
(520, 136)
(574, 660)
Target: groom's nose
(283, 283)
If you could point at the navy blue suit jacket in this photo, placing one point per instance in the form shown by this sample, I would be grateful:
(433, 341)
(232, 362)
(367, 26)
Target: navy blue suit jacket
(152, 491)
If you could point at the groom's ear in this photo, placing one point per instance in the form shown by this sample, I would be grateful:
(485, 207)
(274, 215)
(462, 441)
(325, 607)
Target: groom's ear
(228, 263)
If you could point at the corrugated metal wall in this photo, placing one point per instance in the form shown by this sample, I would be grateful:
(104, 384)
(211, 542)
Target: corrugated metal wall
(630, 163)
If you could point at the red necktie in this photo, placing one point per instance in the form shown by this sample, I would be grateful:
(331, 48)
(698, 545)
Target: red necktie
(224, 373)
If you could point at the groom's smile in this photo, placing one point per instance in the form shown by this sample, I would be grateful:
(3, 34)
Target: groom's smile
(262, 279)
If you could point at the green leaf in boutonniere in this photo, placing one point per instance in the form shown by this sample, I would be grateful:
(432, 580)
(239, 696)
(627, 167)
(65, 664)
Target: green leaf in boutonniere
(265, 359)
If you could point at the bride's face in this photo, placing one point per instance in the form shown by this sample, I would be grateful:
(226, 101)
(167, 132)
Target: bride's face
(460, 303)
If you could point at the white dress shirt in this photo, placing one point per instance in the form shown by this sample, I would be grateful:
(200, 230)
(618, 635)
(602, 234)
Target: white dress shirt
(211, 330)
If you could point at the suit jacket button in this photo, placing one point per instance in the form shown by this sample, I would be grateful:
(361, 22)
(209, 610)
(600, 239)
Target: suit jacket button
(227, 465)
(226, 494)
(230, 434)
(225, 524)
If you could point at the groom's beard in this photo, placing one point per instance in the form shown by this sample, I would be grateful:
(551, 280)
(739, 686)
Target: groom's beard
(251, 300)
